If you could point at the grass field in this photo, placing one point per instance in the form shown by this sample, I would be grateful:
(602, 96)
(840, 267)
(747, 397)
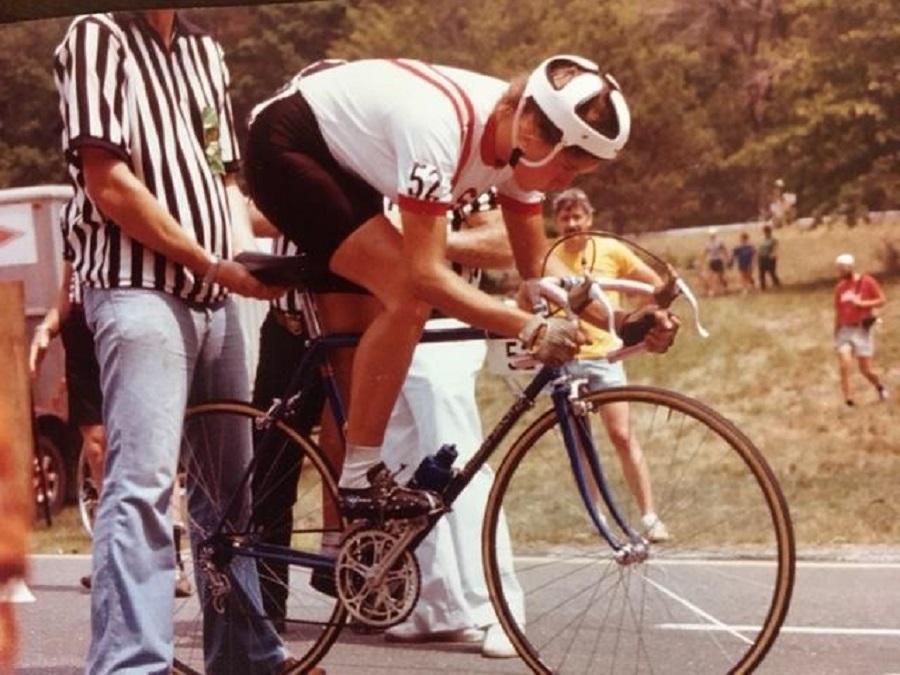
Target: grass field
(769, 367)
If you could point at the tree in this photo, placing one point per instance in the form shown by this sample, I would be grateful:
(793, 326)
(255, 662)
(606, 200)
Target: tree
(833, 120)
(282, 40)
(29, 105)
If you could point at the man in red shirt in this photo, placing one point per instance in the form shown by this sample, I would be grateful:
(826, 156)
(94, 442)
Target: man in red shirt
(855, 298)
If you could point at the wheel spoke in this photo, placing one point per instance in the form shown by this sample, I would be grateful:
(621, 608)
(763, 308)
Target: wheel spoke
(312, 619)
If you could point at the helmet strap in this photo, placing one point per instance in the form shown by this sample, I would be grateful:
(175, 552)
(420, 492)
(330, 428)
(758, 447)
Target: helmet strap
(518, 155)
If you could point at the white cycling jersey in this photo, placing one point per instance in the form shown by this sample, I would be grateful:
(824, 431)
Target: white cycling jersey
(422, 135)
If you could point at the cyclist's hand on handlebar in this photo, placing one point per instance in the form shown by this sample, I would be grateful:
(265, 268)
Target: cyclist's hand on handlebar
(529, 297)
(553, 341)
(580, 295)
(654, 326)
(235, 277)
(666, 293)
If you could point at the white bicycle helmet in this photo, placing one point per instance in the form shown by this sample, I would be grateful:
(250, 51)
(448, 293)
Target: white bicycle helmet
(561, 106)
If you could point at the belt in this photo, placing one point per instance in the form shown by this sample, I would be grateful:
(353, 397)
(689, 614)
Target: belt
(290, 321)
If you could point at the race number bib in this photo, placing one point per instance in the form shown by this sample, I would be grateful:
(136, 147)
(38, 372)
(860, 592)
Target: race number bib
(426, 182)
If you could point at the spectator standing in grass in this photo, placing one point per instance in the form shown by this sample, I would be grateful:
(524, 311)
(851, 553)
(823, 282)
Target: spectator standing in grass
(767, 259)
(856, 296)
(783, 205)
(743, 255)
(573, 213)
(716, 254)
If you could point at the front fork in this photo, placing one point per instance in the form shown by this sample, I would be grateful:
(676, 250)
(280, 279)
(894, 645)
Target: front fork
(572, 415)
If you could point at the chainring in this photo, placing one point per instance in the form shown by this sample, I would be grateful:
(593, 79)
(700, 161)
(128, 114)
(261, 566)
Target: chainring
(377, 605)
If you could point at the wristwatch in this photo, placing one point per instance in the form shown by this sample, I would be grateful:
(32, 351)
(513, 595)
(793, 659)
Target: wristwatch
(209, 277)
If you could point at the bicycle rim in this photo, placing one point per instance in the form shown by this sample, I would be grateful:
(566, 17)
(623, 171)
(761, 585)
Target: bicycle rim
(312, 620)
(88, 496)
(711, 599)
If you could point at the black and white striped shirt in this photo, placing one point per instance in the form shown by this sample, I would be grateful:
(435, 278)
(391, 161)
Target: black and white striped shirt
(167, 114)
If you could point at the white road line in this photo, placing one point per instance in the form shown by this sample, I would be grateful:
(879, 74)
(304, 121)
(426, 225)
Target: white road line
(713, 562)
(696, 610)
(16, 592)
(803, 630)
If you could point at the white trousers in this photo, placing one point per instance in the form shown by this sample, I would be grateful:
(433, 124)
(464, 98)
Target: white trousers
(437, 406)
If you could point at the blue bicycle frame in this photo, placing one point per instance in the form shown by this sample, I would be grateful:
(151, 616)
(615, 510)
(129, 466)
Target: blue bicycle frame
(574, 427)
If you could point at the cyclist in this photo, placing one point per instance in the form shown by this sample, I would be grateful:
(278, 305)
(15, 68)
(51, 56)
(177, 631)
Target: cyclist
(331, 145)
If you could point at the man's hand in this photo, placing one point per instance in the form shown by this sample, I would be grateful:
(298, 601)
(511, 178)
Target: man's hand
(654, 326)
(40, 343)
(236, 278)
(553, 341)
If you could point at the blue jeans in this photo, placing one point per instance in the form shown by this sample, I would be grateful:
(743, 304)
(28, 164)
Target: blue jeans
(156, 354)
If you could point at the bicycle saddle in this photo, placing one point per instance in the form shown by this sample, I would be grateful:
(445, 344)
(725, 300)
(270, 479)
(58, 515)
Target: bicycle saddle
(282, 270)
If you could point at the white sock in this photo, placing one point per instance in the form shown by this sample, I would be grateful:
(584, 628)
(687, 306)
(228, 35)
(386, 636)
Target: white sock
(649, 518)
(359, 459)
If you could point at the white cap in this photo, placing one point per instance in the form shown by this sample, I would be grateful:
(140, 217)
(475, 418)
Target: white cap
(713, 230)
(844, 259)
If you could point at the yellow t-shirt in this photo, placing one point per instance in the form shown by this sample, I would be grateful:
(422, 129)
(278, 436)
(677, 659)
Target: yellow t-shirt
(600, 257)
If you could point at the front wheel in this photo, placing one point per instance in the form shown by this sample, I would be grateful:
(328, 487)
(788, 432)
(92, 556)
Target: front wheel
(712, 594)
(268, 598)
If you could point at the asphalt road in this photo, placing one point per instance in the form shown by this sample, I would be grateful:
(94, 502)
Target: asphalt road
(844, 618)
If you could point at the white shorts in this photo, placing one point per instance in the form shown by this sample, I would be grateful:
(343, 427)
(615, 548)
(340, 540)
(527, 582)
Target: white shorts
(861, 341)
(599, 373)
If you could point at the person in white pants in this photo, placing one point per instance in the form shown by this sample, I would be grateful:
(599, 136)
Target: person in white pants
(437, 406)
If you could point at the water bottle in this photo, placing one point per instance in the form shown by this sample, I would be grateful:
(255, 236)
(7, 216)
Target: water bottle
(435, 471)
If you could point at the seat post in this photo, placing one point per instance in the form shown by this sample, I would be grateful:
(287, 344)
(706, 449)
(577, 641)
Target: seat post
(310, 314)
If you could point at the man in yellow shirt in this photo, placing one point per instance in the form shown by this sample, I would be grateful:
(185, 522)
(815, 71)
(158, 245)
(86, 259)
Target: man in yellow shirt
(607, 257)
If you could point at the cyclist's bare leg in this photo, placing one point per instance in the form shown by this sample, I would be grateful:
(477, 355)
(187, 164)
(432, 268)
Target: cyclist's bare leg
(373, 258)
(615, 417)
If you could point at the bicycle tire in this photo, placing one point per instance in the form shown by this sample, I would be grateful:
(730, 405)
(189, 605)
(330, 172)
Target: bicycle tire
(48, 476)
(313, 619)
(87, 494)
(728, 521)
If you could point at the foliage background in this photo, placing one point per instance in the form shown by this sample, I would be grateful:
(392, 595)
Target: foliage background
(726, 94)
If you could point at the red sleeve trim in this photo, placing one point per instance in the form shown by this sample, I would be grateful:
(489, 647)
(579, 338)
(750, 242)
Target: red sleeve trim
(422, 207)
(521, 208)
(465, 113)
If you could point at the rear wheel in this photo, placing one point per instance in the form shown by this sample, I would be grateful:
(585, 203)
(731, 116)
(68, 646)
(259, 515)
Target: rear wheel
(310, 620)
(88, 493)
(711, 599)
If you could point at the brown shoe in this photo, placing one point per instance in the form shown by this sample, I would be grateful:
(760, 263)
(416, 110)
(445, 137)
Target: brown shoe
(183, 587)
